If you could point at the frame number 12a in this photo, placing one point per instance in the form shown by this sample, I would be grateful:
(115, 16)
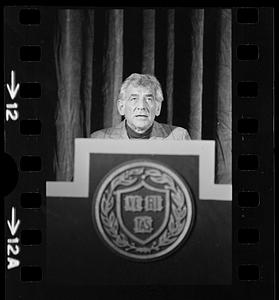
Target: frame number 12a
(13, 248)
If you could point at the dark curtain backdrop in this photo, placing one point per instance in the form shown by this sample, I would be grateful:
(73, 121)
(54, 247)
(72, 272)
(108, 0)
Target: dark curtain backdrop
(188, 50)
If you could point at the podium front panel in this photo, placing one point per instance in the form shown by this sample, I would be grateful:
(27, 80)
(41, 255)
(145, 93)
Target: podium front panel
(77, 253)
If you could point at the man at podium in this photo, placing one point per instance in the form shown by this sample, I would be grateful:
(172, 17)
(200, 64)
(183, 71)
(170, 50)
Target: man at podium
(140, 101)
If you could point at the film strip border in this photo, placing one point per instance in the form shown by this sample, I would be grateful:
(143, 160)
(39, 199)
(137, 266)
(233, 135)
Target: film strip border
(253, 165)
(25, 206)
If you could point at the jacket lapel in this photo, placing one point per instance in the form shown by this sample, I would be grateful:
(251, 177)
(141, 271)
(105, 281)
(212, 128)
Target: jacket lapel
(119, 131)
(123, 131)
(158, 130)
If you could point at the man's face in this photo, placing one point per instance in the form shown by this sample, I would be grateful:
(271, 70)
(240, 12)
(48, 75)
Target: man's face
(139, 107)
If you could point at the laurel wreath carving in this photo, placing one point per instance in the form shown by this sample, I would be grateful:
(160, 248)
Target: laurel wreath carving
(177, 215)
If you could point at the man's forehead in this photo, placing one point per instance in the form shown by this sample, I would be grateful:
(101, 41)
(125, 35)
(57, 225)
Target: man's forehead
(139, 89)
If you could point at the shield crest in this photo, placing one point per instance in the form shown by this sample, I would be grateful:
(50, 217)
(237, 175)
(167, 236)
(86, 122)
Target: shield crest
(143, 211)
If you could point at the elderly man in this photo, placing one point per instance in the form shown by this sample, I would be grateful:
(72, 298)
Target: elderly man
(140, 101)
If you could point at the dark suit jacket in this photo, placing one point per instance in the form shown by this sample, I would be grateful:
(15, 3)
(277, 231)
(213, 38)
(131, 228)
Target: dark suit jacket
(159, 131)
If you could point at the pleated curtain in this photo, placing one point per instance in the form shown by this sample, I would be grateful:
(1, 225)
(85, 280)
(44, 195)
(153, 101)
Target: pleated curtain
(188, 50)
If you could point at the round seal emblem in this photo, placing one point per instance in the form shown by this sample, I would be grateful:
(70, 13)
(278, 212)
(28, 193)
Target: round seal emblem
(143, 209)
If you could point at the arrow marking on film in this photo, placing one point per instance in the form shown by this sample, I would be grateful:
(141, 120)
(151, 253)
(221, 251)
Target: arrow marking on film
(13, 89)
(13, 225)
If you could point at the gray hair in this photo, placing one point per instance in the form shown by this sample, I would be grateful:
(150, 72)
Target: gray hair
(145, 80)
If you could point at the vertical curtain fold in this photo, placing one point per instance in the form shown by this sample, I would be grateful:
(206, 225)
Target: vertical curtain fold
(224, 99)
(148, 61)
(87, 64)
(69, 118)
(170, 64)
(195, 112)
(113, 67)
(209, 81)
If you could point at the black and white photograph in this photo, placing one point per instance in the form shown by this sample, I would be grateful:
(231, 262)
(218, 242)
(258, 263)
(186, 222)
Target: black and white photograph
(142, 158)
(134, 108)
